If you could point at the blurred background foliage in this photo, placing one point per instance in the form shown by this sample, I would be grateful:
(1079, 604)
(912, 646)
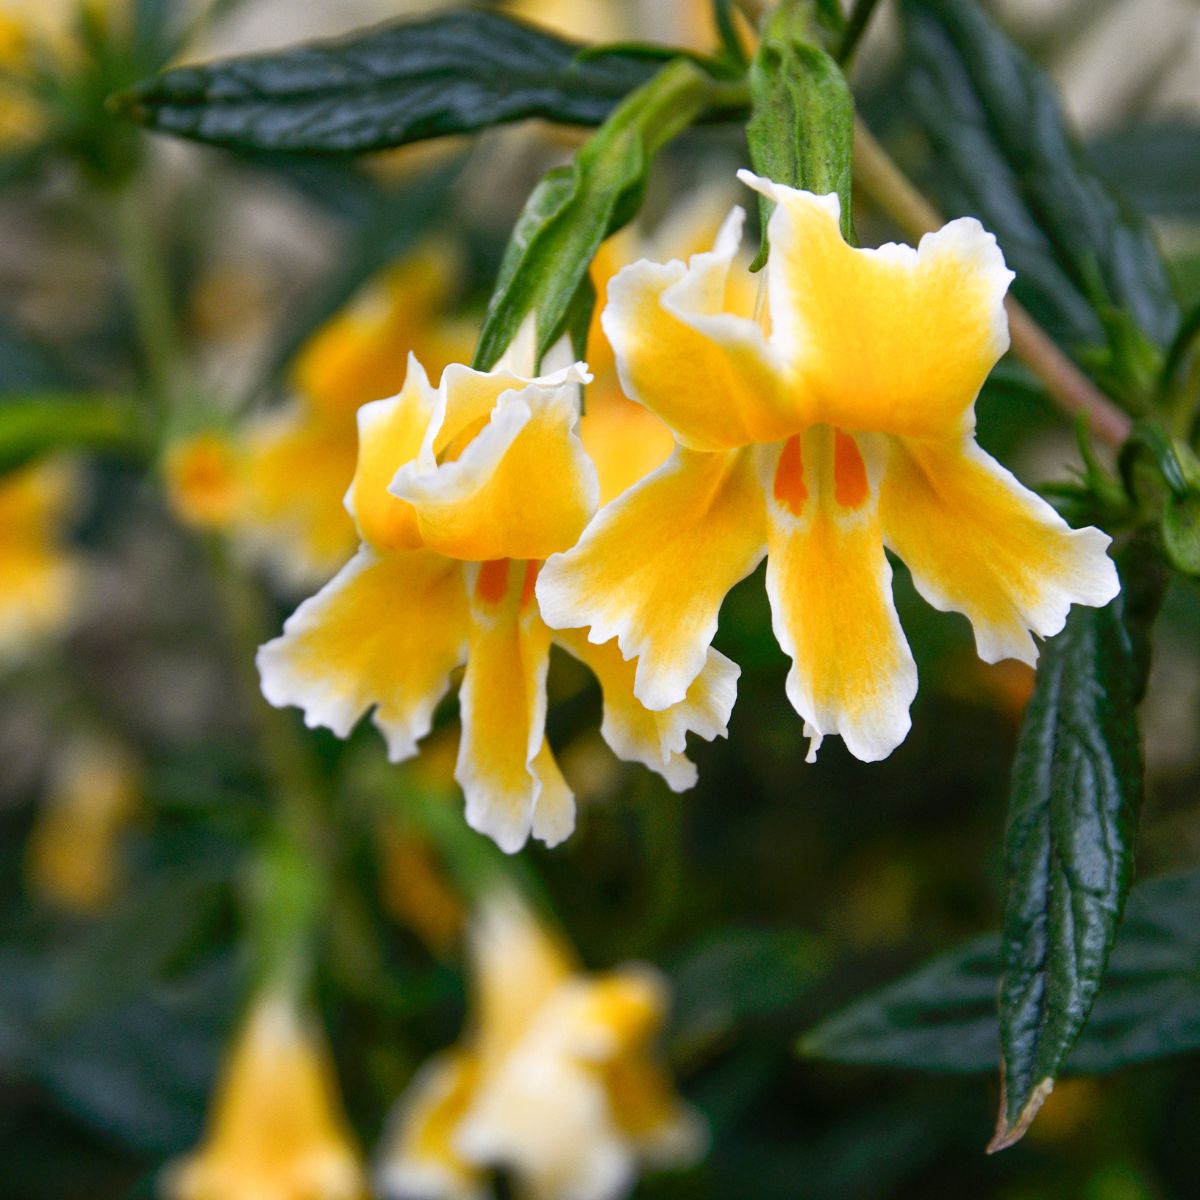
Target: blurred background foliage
(150, 290)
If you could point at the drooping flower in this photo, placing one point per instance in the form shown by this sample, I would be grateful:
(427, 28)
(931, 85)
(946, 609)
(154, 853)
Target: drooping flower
(839, 422)
(39, 578)
(556, 1082)
(277, 483)
(460, 492)
(72, 857)
(276, 1131)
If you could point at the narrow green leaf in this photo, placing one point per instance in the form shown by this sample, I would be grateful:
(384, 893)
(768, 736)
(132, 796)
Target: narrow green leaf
(1075, 795)
(575, 208)
(942, 1017)
(394, 84)
(34, 425)
(1003, 152)
(802, 122)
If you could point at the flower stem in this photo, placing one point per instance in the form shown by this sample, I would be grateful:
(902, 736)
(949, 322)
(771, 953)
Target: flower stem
(879, 178)
(856, 26)
(149, 291)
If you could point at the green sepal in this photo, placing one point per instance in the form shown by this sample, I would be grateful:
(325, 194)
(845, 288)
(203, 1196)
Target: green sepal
(575, 208)
(801, 128)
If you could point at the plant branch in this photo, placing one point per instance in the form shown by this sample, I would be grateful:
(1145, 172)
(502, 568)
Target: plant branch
(1074, 393)
(149, 291)
(856, 26)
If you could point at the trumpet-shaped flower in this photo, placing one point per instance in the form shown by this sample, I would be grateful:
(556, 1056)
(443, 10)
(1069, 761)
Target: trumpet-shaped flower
(837, 422)
(39, 580)
(460, 492)
(556, 1082)
(276, 1131)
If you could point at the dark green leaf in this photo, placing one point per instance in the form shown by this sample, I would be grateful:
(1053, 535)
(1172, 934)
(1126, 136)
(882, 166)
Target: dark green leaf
(1075, 795)
(399, 83)
(942, 1017)
(1157, 167)
(739, 974)
(802, 122)
(138, 942)
(1002, 151)
(575, 208)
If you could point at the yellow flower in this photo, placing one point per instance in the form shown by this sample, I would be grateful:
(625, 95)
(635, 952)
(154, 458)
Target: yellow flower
(203, 478)
(278, 483)
(39, 580)
(460, 491)
(72, 856)
(276, 1131)
(556, 1083)
(839, 422)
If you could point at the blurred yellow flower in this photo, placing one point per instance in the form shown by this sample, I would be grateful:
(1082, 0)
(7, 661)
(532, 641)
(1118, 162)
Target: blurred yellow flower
(276, 1131)
(39, 579)
(72, 857)
(300, 458)
(460, 491)
(203, 478)
(839, 422)
(557, 1081)
(415, 888)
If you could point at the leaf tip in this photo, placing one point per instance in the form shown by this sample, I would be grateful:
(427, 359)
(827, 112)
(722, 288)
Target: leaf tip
(1006, 1134)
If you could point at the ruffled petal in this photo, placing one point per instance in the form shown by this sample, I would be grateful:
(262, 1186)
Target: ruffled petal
(385, 633)
(519, 486)
(653, 567)
(503, 768)
(829, 583)
(658, 740)
(422, 1158)
(979, 543)
(390, 434)
(707, 371)
(891, 340)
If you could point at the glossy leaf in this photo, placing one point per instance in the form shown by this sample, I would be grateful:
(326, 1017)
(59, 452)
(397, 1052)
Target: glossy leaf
(398, 83)
(575, 208)
(942, 1017)
(802, 122)
(1074, 800)
(1003, 152)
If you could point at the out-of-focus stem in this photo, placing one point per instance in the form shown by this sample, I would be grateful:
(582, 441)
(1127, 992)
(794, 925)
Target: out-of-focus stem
(856, 26)
(149, 291)
(880, 179)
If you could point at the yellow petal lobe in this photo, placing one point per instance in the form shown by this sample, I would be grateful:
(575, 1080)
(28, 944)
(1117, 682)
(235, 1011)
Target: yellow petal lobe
(704, 369)
(890, 340)
(831, 603)
(510, 781)
(521, 486)
(979, 543)
(384, 634)
(653, 567)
